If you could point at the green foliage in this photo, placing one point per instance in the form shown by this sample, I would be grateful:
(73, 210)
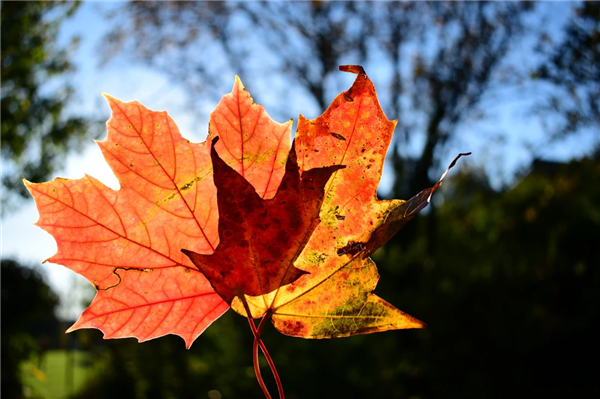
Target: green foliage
(56, 374)
(28, 321)
(35, 129)
(510, 291)
(163, 368)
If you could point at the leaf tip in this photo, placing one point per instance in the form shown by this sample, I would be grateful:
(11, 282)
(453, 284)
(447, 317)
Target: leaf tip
(29, 185)
(439, 183)
(112, 101)
(212, 148)
(415, 324)
(238, 83)
(74, 327)
(356, 69)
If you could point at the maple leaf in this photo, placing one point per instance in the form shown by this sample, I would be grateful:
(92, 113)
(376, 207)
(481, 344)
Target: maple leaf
(261, 239)
(235, 221)
(334, 298)
(127, 242)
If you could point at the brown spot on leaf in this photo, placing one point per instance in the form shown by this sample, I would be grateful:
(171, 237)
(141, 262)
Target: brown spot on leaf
(338, 136)
(293, 327)
(352, 248)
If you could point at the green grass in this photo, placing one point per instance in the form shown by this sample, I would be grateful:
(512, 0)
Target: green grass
(59, 375)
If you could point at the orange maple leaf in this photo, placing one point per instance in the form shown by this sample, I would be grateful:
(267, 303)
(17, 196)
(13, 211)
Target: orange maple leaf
(128, 242)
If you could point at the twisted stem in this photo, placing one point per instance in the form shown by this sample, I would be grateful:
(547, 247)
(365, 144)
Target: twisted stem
(259, 343)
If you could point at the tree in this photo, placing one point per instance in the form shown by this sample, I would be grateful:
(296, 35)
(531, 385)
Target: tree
(510, 290)
(28, 320)
(36, 128)
(573, 67)
(443, 58)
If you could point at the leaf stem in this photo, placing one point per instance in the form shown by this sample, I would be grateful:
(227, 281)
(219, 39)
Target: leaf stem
(259, 343)
(255, 362)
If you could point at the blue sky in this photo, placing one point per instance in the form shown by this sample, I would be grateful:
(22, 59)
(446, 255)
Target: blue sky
(127, 82)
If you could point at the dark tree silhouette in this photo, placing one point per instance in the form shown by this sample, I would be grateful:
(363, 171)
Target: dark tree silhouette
(573, 66)
(442, 57)
(27, 321)
(36, 132)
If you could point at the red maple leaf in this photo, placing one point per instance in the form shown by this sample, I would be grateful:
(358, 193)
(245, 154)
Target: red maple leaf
(261, 239)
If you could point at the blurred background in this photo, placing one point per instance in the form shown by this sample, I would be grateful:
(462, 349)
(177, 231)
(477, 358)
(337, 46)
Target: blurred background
(503, 266)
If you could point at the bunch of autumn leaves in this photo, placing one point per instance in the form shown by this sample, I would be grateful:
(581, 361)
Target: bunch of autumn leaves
(243, 220)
